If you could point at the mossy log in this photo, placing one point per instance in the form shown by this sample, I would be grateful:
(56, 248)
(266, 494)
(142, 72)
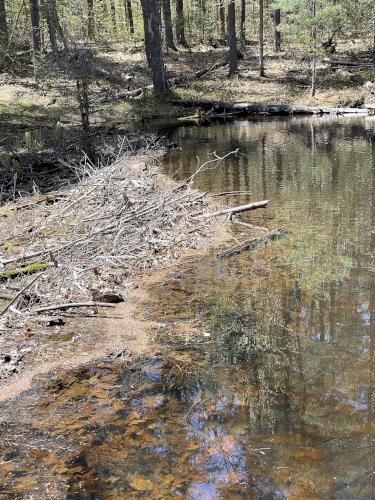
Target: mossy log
(23, 270)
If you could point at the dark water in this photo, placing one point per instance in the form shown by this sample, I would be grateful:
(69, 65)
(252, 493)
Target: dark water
(265, 385)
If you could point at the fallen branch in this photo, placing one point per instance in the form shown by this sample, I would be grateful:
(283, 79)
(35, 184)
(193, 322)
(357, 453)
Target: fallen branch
(230, 193)
(237, 210)
(69, 305)
(251, 243)
(21, 292)
(251, 108)
(250, 226)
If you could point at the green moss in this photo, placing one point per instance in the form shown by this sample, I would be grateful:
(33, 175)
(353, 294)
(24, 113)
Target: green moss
(19, 271)
(8, 247)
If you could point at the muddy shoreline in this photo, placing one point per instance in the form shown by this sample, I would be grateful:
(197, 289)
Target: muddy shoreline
(32, 345)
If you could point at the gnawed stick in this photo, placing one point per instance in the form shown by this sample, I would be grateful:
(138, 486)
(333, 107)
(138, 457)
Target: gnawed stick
(21, 292)
(250, 226)
(251, 243)
(71, 304)
(237, 210)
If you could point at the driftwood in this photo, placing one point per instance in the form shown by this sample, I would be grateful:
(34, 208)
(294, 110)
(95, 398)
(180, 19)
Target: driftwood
(251, 108)
(237, 210)
(72, 304)
(251, 243)
(250, 226)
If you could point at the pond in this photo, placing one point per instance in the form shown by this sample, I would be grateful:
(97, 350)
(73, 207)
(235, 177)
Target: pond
(264, 383)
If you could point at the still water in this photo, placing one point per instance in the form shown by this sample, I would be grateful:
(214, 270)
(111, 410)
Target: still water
(263, 386)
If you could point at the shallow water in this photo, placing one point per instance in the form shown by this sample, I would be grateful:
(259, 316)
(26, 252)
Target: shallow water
(264, 384)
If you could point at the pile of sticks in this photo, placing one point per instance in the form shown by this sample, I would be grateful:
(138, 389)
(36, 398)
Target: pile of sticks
(117, 220)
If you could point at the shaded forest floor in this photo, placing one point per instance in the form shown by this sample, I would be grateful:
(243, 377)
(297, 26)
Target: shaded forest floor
(53, 99)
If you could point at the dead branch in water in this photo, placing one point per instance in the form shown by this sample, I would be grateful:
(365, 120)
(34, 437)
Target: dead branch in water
(237, 210)
(251, 243)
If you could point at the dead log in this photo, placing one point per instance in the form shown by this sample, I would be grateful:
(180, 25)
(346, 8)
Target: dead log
(237, 210)
(348, 64)
(251, 108)
(251, 243)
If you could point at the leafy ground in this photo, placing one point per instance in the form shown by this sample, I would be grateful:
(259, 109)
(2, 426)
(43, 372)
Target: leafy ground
(53, 98)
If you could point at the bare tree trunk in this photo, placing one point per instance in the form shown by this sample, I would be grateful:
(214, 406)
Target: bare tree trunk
(129, 15)
(56, 22)
(180, 23)
(261, 37)
(232, 38)
(35, 33)
(242, 24)
(277, 21)
(90, 19)
(3, 25)
(113, 15)
(313, 58)
(167, 14)
(51, 27)
(223, 33)
(151, 19)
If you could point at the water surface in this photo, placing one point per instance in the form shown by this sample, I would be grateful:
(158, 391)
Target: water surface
(264, 383)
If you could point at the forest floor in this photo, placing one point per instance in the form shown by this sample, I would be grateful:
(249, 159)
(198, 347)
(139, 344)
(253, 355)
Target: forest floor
(99, 241)
(52, 100)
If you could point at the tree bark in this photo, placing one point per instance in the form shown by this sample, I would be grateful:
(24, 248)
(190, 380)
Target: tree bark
(113, 15)
(313, 59)
(242, 24)
(51, 26)
(222, 19)
(129, 15)
(232, 38)
(36, 40)
(90, 19)
(167, 14)
(180, 23)
(153, 45)
(277, 21)
(261, 37)
(3, 25)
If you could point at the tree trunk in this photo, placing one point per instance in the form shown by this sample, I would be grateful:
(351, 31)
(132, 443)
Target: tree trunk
(261, 37)
(180, 23)
(35, 33)
(151, 19)
(51, 26)
(90, 19)
(232, 38)
(56, 22)
(242, 24)
(3, 25)
(129, 15)
(113, 15)
(277, 21)
(167, 14)
(313, 58)
(223, 33)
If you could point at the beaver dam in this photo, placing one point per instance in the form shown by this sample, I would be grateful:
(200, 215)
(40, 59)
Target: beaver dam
(257, 376)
